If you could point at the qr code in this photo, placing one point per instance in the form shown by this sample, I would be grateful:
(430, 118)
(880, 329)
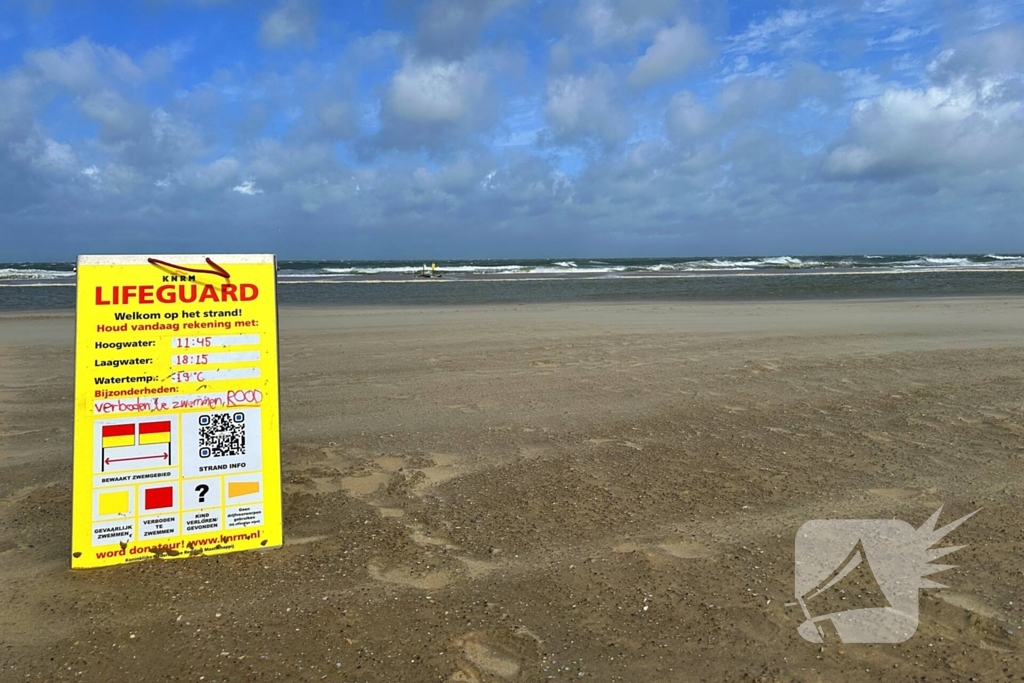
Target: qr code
(221, 434)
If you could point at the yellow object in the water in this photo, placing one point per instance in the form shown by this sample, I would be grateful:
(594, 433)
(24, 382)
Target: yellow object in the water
(433, 266)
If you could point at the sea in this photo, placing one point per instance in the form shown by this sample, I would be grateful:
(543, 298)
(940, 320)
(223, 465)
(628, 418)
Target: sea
(51, 286)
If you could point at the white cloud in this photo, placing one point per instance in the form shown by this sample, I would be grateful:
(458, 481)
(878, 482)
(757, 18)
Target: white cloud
(884, 6)
(17, 105)
(247, 187)
(787, 29)
(580, 107)
(375, 45)
(292, 21)
(747, 96)
(66, 66)
(672, 53)
(613, 21)
(488, 182)
(337, 119)
(216, 174)
(168, 140)
(458, 176)
(435, 91)
(994, 54)
(44, 154)
(687, 117)
(83, 65)
(905, 33)
(313, 194)
(906, 131)
(450, 28)
(274, 161)
(55, 157)
(967, 119)
(118, 118)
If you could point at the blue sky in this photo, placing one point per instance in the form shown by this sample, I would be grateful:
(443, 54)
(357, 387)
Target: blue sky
(510, 128)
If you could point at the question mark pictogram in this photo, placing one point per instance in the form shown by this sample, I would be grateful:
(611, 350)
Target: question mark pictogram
(202, 490)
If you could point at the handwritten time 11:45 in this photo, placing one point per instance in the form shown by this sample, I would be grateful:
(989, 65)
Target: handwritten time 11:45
(190, 342)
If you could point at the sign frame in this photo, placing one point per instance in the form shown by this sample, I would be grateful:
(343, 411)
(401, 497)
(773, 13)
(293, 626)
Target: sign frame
(177, 448)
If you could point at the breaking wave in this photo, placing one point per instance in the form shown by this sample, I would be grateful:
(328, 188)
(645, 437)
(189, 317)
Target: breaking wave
(390, 271)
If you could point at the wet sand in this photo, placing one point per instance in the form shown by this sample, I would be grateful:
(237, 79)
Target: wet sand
(603, 492)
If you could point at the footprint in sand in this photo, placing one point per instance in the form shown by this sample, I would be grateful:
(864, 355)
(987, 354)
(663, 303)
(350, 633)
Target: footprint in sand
(496, 656)
(454, 568)
(464, 407)
(973, 605)
(754, 368)
(679, 549)
(366, 484)
(411, 578)
(880, 437)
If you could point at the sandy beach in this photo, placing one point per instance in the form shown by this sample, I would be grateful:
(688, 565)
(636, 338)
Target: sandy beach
(605, 492)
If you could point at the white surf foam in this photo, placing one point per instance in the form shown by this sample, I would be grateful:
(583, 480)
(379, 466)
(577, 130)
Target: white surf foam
(33, 274)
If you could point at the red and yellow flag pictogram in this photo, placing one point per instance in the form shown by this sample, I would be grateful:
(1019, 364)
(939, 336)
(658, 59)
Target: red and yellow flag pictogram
(154, 432)
(118, 435)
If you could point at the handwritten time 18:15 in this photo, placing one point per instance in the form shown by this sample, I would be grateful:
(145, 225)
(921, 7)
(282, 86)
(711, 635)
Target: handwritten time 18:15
(191, 359)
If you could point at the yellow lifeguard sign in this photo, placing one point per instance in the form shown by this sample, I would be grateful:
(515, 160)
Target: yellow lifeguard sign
(177, 422)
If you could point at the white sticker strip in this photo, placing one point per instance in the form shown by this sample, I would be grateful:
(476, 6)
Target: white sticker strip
(214, 340)
(203, 359)
(214, 375)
